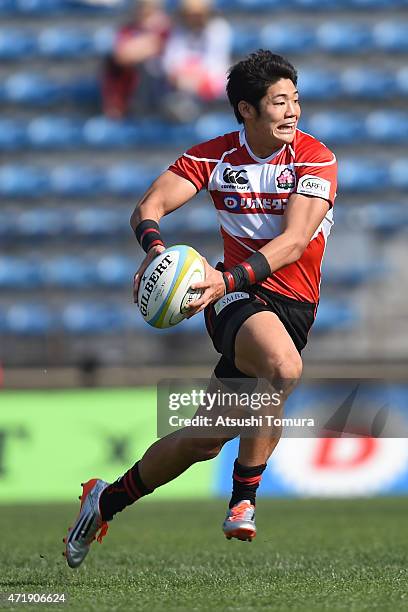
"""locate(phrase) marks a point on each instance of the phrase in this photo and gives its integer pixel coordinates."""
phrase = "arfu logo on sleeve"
(314, 186)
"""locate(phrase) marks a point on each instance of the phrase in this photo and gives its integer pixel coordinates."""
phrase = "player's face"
(279, 112)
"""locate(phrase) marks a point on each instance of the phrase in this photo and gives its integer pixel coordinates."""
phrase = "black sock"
(123, 492)
(245, 482)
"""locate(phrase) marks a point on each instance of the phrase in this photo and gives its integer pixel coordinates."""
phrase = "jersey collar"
(261, 160)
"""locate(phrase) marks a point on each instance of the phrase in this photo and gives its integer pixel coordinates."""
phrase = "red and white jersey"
(250, 195)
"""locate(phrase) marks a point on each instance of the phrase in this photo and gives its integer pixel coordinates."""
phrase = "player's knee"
(287, 370)
(201, 449)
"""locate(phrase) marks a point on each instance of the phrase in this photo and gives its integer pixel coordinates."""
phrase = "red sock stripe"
(230, 281)
(252, 480)
(131, 490)
(128, 490)
(133, 486)
(147, 231)
(251, 273)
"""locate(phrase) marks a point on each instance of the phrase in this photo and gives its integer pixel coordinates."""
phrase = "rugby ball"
(164, 289)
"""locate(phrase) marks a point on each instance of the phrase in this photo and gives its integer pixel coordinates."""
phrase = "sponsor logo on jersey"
(235, 177)
(229, 299)
(286, 179)
(314, 186)
(276, 205)
(231, 202)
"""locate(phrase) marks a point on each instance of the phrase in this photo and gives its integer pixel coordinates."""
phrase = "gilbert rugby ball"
(164, 289)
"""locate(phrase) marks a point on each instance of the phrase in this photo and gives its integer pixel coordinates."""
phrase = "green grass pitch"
(309, 555)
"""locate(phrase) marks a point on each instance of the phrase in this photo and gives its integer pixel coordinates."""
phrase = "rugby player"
(273, 187)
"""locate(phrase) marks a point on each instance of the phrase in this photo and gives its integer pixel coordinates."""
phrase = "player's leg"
(263, 349)
(162, 462)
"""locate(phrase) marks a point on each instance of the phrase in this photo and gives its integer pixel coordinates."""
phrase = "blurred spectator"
(134, 67)
(196, 58)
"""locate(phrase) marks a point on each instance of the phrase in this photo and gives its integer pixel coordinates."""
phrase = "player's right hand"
(150, 255)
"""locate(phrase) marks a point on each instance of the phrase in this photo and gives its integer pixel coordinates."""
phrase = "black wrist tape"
(253, 270)
(148, 234)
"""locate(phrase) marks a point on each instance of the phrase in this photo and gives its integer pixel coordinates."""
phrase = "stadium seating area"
(70, 176)
(55, 132)
(343, 37)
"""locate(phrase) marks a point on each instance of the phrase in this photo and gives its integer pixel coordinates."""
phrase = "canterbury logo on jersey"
(254, 178)
(235, 177)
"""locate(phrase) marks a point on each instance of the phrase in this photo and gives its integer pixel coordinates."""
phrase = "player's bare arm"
(167, 193)
(303, 216)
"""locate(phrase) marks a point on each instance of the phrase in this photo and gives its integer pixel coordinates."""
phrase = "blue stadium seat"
(20, 273)
(130, 179)
(16, 44)
(12, 135)
(70, 271)
(7, 7)
(23, 181)
(40, 223)
(29, 319)
(8, 224)
(368, 83)
(333, 315)
(399, 173)
(39, 90)
(344, 37)
(116, 270)
(250, 5)
(402, 80)
(363, 175)
(382, 217)
(34, 7)
(375, 4)
(287, 37)
(245, 40)
(98, 223)
(317, 84)
(27, 88)
(105, 133)
(161, 133)
(55, 7)
(91, 318)
(213, 124)
(84, 90)
(103, 40)
(65, 43)
(336, 127)
(133, 320)
(352, 276)
(383, 126)
(391, 36)
(51, 132)
(77, 181)
(316, 5)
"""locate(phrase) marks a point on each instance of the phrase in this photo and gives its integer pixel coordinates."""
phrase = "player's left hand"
(213, 286)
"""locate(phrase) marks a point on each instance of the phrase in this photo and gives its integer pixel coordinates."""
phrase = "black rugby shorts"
(224, 318)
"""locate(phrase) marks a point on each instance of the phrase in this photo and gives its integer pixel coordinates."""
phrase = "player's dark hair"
(250, 78)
